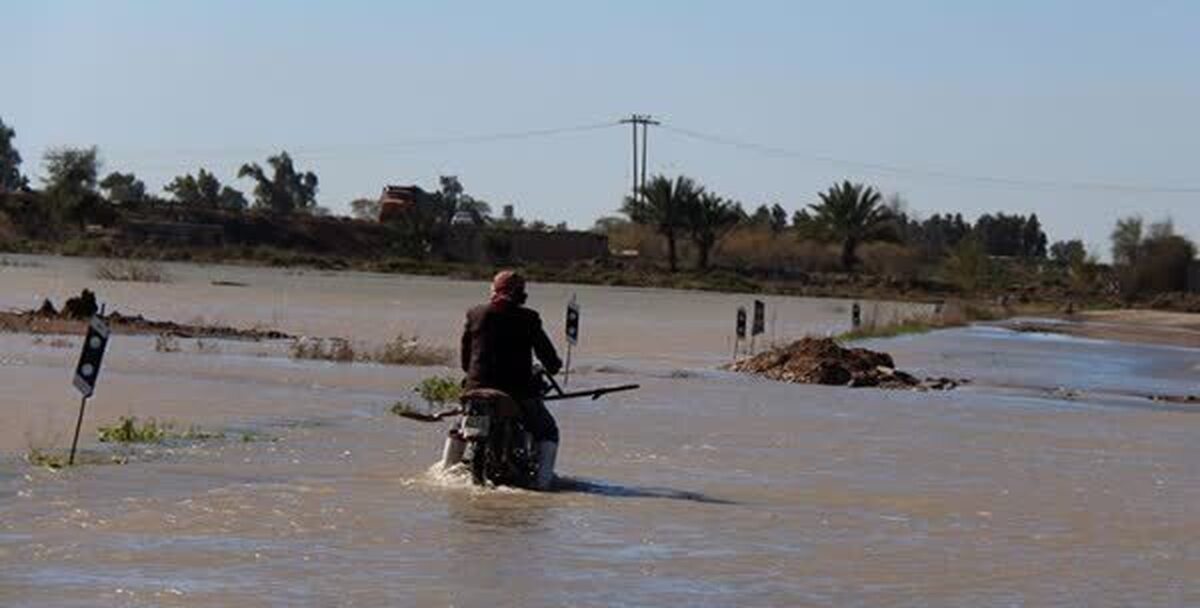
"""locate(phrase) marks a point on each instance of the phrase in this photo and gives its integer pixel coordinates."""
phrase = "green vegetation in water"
(59, 460)
(130, 430)
(440, 390)
(43, 458)
(436, 391)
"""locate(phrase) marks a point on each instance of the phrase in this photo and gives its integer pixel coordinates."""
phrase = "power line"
(778, 152)
(382, 147)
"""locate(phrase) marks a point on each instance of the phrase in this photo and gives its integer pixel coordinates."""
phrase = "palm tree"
(663, 203)
(709, 219)
(852, 214)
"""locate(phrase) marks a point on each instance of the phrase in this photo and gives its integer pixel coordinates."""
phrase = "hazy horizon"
(1080, 112)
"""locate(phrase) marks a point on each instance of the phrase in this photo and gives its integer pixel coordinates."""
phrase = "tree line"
(73, 189)
(1147, 258)
(849, 214)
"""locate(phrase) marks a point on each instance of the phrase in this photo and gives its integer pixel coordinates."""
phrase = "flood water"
(1050, 480)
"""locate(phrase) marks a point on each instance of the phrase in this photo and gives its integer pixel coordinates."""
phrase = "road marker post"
(572, 331)
(87, 371)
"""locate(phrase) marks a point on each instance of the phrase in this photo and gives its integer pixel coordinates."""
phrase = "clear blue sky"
(1067, 92)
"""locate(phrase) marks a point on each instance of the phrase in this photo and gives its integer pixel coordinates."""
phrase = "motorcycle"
(490, 440)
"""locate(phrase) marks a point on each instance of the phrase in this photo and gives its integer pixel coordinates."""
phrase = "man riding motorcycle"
(498, 344)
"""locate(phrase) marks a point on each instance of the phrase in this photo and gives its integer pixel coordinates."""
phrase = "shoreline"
(607, 272)
(1098, 320)
(1129, 326)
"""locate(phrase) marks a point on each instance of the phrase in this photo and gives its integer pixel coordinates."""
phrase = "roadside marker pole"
(567, 371)
(78, 425)
(760, 310)
(88, 370)
(739, 331)
(572, 331)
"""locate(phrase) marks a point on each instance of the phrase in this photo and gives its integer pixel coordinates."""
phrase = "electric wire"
(778, 152)
(376, 148)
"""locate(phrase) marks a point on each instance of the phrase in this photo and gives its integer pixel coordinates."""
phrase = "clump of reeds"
(45, 458)
(130, 270)
(129, 429)
(409, 350)
(323, 349)
(402, 350)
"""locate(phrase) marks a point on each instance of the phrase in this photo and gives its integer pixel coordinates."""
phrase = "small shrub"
(129, 430)
(440, 390)
(166, 343)
(42, 458)
(891, 260)
(131, 271)
(759, 247)
(8, 233)
(969, 266)
(323, 349)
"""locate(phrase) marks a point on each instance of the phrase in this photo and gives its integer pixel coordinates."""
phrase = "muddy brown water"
(1049, 481)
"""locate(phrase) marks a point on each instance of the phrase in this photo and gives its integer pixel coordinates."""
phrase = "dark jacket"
(498, 344)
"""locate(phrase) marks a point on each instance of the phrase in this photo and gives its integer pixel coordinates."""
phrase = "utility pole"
(645, 121)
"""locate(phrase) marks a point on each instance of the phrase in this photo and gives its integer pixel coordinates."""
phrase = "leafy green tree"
(760, 217)
(1166, 259)
(11, 179)
(1157, 261)
(286, 191)
(454, 200)
(851, 214)
(1068, 253)
(779, 218)
(1033, 240)
(663, 203)
(1127, 240)
(969, 266)
(124, 189)
(709, 219)
(204, 191)
(70, 183)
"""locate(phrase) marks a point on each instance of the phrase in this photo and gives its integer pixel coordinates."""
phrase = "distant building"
(395, 201)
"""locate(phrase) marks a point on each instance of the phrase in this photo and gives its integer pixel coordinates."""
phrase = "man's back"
(498, 344)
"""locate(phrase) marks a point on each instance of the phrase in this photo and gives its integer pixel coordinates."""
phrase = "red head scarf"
(508, 288)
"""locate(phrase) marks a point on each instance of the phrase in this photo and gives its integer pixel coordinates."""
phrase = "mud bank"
(824, 361)
(76, 312)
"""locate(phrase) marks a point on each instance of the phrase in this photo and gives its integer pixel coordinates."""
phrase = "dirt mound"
(824, 361)
(82, 306)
